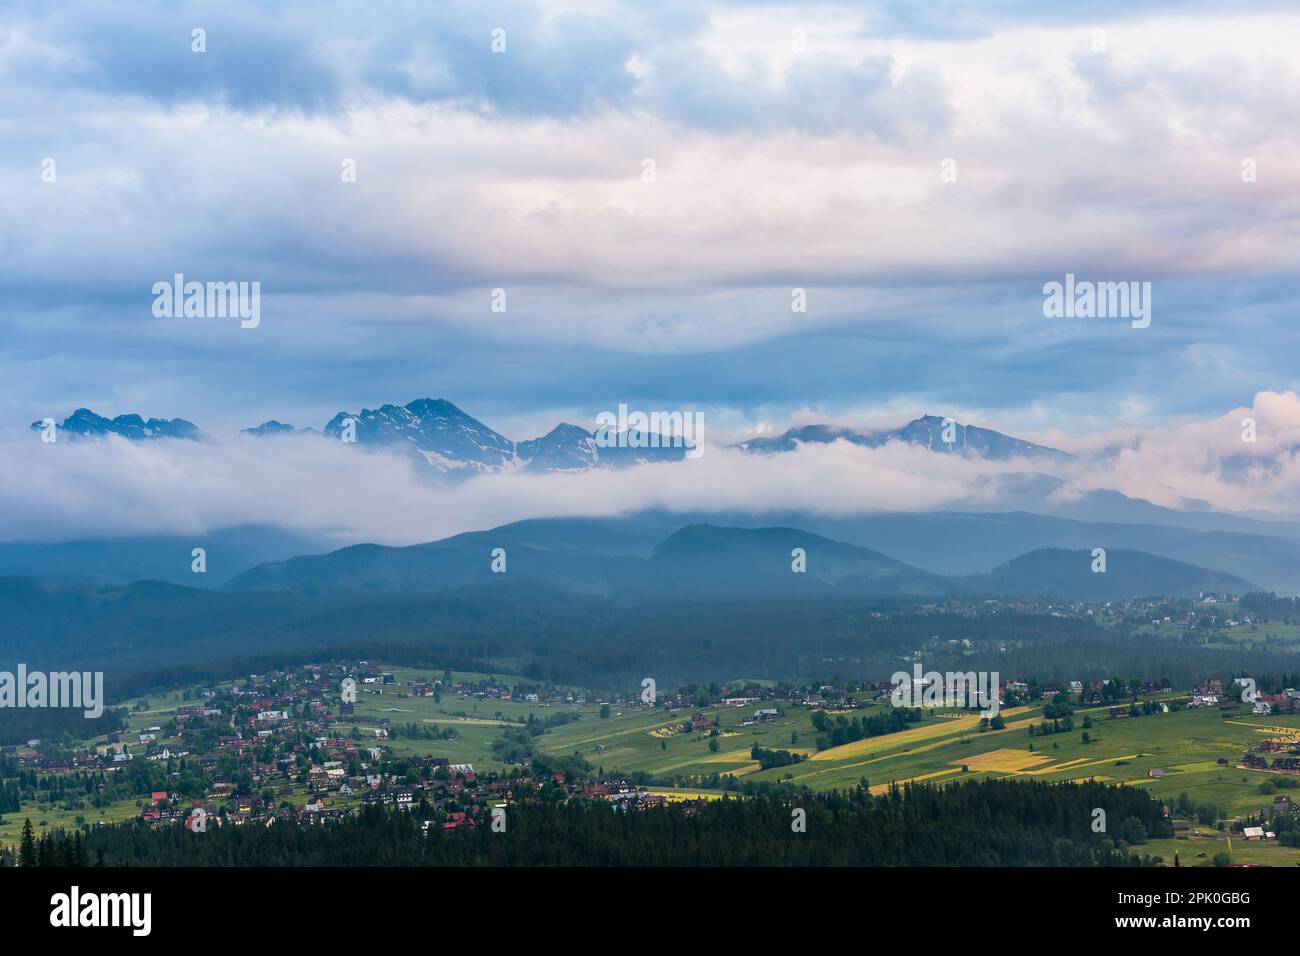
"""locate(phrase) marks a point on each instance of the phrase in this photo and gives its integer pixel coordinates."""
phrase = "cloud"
(114, 487)
(1209, 461)
(775, 169)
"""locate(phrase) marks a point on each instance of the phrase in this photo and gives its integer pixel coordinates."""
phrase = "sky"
(919, 171)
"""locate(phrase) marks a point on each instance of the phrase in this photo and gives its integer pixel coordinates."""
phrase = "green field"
(1222, 637)
(1200, 844)
(1186, 745)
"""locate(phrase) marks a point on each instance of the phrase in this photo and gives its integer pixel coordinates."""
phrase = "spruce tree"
(27, 848)
(45, 855)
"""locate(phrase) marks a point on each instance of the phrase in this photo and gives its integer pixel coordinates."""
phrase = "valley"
(696, 743)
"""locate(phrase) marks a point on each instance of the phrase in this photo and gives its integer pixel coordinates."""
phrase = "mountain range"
(703, 560)
(929, 431)
(1027, 511)
(452, 444)
(450, 441)
(554, 572)
(945, 544)
(433, 431)
(83, 423)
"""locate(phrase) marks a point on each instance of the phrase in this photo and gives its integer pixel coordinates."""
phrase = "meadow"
(1275, 634)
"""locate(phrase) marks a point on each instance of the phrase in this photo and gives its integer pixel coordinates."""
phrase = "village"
(313, 745)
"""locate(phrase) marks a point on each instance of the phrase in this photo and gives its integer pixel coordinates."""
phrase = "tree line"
(983, 823)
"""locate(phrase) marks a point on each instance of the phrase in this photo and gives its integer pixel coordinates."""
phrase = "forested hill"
(142, 641)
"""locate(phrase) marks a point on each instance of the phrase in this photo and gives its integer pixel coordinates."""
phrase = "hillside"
(1069, 575)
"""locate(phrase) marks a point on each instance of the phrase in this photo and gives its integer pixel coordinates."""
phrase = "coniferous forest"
(985, 823)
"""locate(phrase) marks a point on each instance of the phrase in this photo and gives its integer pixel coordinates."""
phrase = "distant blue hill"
(709, 561)
(954, 543)
(120, 561)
